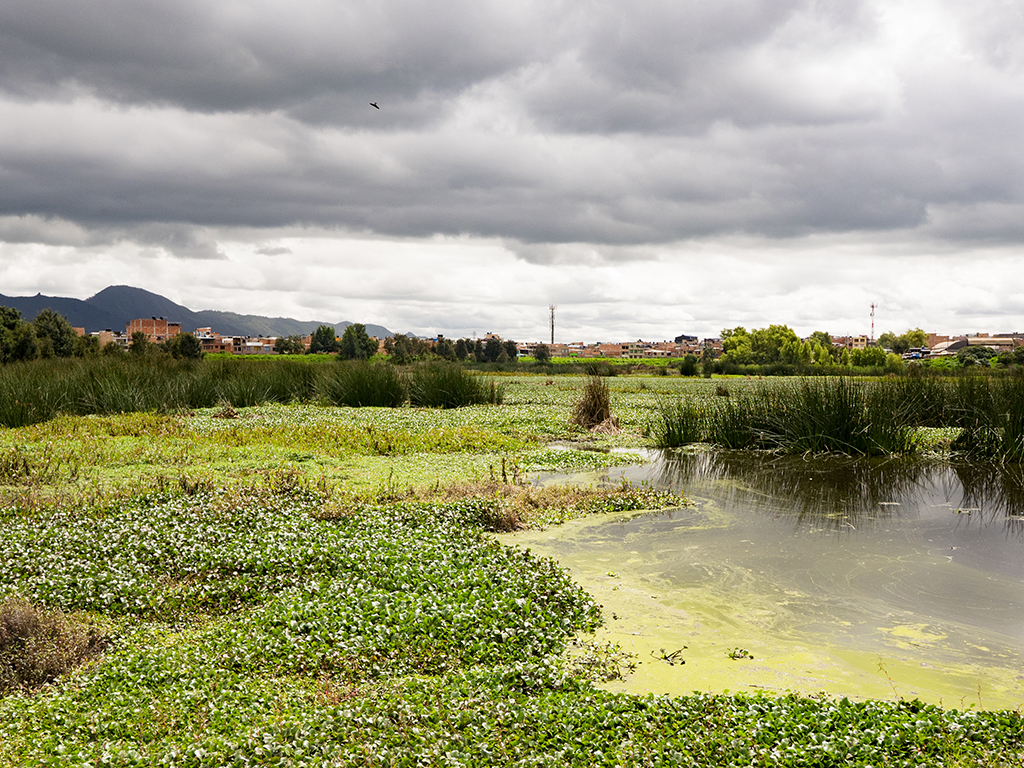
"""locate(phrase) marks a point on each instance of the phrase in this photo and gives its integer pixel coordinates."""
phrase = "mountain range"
(113, 307)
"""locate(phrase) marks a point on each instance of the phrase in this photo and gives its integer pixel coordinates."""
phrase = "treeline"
(777, 350)
(50, 335)
(356, 344)
(403, 349)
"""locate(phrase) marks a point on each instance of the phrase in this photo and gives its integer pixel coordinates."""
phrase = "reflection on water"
(851, 576)
(845, 492)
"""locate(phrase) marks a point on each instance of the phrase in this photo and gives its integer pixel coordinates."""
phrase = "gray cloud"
(572, 131)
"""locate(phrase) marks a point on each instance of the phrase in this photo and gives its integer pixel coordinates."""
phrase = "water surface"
(855, 577)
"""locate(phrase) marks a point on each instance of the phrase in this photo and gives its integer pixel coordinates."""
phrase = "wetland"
(276, 580)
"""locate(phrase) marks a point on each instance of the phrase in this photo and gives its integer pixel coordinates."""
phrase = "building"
(122, 340)
(156, 328)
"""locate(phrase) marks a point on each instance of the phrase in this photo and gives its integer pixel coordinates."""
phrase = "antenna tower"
(873, 305)
(552, 308)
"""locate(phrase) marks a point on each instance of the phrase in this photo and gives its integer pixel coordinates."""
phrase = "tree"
(707, 358)
(289, 345)
(869, 357)
(768, 343)
(511, 349)
(688, 365)
(112, 349)
(761, 346)
(323, 341)
(542, 353)
(493, 349)
(404, 348)
(9, 318)
(17, 338)
(736, 345)
(445, 348)
(900, 344)
(822, 338)
(56, 336)
(186, 346)
(975, 355)
(87, 346)
(140, 343)
(463, 348)
(356, 344)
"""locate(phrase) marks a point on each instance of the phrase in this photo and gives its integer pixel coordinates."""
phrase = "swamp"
(253, 569)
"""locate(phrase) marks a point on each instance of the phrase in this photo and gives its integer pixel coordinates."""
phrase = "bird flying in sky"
(374, 104)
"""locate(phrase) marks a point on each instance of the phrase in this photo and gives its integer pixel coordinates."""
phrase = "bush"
(38, 646)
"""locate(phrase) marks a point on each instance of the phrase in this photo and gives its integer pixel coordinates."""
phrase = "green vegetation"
(356, 344)
(847, 416)
(37, 391)
(299, 584)
(434, 385)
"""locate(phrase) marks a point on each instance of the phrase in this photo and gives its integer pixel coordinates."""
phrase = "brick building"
(157, 328)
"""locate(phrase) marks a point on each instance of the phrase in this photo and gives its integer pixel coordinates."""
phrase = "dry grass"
(37, 646)
(514, 506)
(594, 406)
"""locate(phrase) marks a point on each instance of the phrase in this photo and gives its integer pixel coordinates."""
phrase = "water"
(862, 578)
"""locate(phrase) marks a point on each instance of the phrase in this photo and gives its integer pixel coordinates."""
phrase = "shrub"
(38, 646)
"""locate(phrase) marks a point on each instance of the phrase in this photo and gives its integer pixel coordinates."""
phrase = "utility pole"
(552, 308)
(873, 305)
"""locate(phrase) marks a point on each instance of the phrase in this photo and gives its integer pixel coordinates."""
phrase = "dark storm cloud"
(608, 123)
(317, 58)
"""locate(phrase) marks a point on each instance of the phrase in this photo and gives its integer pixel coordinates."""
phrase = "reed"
(679, 423)
(359, 383)
(819, 415)
(1011, 405)
(439, 385)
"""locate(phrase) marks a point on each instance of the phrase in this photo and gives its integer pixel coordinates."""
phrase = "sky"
(650, 167)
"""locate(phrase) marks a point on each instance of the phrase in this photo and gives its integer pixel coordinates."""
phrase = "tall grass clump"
(972, 406)
(817, 416)
(1011, 405)
(680, 423)
(360, 383)
(437, 385)
(731, 422)
(594, 406)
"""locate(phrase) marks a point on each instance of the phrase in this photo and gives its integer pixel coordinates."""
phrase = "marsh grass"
(681, 422)
(40, 390)
(438, 385)
(848, 416)
(38, 645)
(360, 383)
(812, 415)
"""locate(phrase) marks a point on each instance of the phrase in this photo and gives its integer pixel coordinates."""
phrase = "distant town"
(159, 330)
